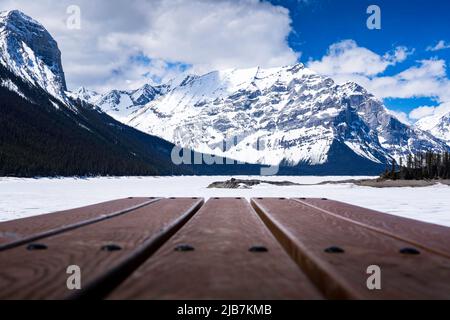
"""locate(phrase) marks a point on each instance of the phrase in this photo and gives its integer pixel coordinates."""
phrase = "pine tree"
(422, 166)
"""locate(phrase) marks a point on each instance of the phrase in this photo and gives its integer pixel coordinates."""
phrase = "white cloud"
(206, 34)
(441, 45)
(427, 79)
(433, 68)
(427, 111)
(400, 54)
(421, 112)
(347, 58)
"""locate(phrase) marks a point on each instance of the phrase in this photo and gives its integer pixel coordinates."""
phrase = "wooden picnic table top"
(224, 248)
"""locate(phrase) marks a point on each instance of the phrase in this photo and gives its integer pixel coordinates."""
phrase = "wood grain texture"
(429, 236)
(17, 232)
(41, 274)
(217, 262)
(306, 233)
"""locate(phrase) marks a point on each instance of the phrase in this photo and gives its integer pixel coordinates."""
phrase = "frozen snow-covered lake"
(27, 197)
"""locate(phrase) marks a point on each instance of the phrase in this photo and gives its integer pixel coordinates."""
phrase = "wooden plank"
(424, 235)
(41, 274)
(211, 258)
(314, 238)
(17, 232)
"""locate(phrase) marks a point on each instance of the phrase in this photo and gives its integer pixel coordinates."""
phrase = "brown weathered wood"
(432, 237)
(220, 266)
(41, 274)
(17, 232)
(306, 233)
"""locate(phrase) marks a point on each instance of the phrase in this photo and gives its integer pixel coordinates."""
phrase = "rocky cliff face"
(28, 50)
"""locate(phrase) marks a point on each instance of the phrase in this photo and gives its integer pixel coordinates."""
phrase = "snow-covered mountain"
(288, 115)
(29, 51)
(44, 131)
(121, 104)
(85, 94)
(438, 125)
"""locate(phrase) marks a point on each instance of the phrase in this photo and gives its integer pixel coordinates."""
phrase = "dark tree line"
(38, 139)
(427, 165)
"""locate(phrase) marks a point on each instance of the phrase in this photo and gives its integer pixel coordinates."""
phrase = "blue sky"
(125, 44)
(411, 23)
(415, 24)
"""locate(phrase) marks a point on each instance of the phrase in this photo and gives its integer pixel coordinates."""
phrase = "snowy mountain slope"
(438, 125)
(396, 138)
(121, 104)
(11, 86)
(28, 50)
(85, 94)
(289, 116)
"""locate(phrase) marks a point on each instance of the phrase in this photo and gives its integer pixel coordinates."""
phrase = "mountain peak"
(81, 90)
(84, 90)
(353, 86)
(28, 50)
(296, 67)
(85, 94)
(15, 15)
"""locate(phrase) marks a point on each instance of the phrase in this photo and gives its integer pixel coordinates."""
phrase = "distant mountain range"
(288, 116)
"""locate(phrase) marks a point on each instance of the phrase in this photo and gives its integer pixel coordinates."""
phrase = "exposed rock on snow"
(247, 184)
